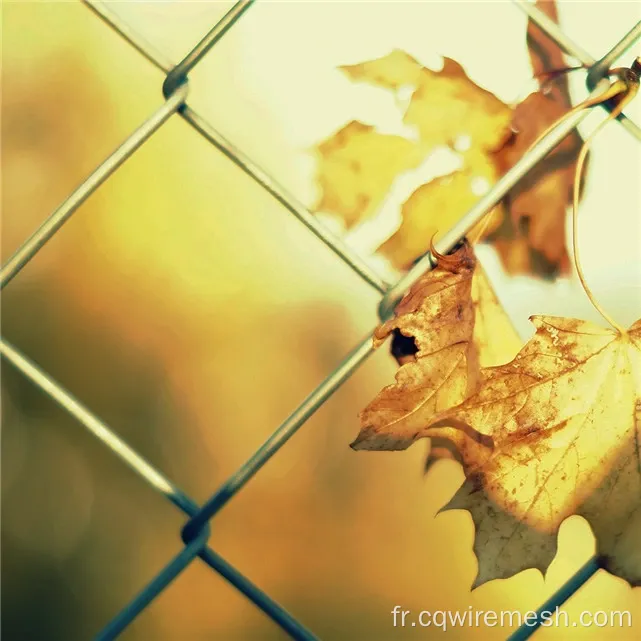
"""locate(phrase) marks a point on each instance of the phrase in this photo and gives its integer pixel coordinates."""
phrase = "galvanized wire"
(60, 216)
(570, 587)
(236, 155)
(164, 486)
(196, 531)
(597, 69)
(307, 408)
(500, 189)
(179, 73)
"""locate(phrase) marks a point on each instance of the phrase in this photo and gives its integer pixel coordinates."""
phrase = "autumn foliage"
(544, 430)
(358, 164)
(554, 432)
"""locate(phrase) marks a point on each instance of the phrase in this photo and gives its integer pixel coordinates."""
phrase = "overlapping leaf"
(532, 238)
(555, 432)
(358, 165)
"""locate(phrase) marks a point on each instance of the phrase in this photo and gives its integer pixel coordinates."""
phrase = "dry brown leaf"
(555, 432)
(514, 251)
(538, 204)
(446, 323)
(545, 53)
(438, 314)
(356, 169)
(496, 342)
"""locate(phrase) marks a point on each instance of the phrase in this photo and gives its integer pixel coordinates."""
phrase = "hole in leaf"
(404, 348)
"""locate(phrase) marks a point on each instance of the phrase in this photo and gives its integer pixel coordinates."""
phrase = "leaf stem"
(626, 86)
(546, 78)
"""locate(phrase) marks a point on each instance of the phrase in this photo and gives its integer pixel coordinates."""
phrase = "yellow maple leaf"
(537, 204)
(358, 164)
(357, 167)
(447, 105)
(439, 204)
(495, 338)
(444, 105)
(393, 71)
(556, 432)
(447, 109)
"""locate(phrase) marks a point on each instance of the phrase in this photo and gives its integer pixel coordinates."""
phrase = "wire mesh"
(195, 533)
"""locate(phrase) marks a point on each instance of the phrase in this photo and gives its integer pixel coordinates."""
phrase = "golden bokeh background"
(192, 313)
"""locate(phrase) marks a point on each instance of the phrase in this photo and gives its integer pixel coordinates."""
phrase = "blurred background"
(192, 313)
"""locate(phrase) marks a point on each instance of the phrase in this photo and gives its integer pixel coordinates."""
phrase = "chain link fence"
(195, 533)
